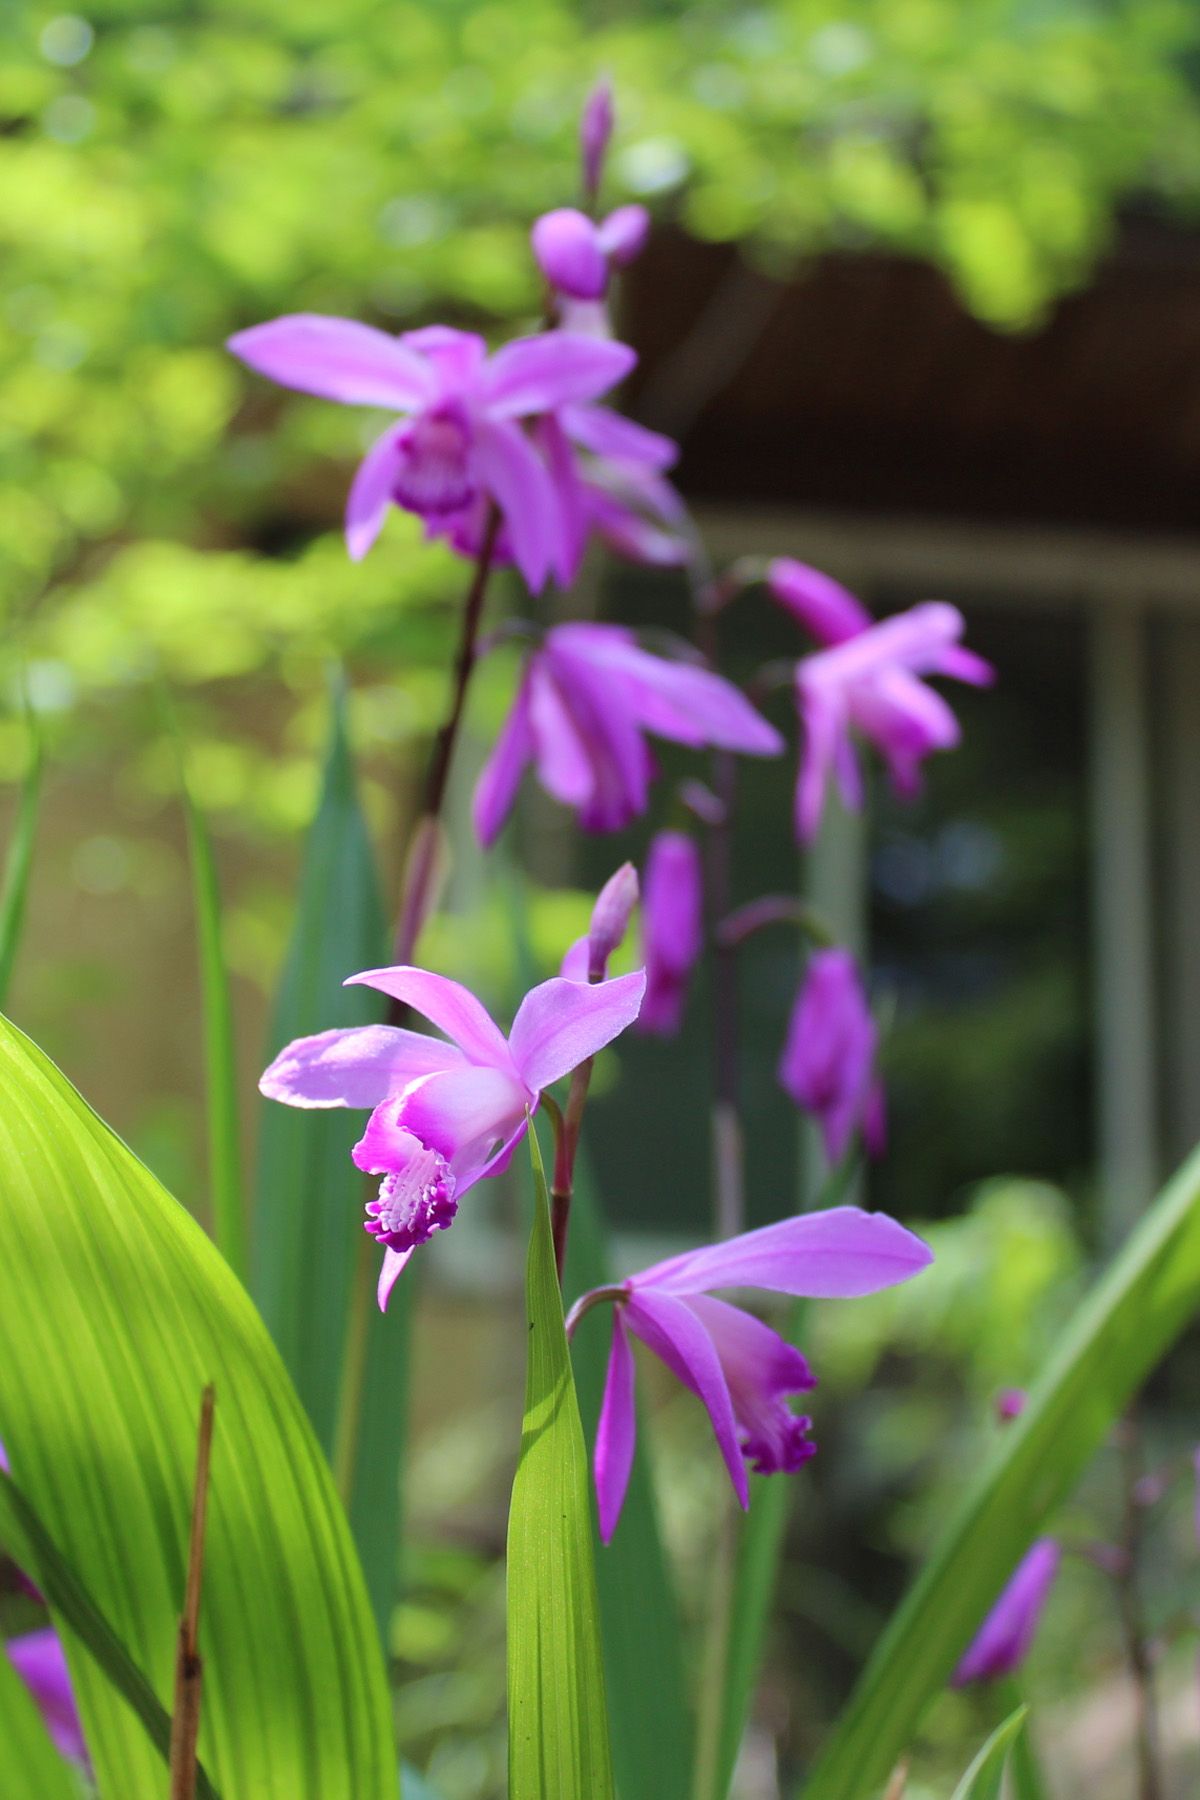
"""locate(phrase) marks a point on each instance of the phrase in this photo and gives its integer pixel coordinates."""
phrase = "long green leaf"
(1118, 1335)
(18, 864)
(982, 1780)
(28, 1543)
(115, 1311)
(30, 1766)
(557, 1718)
(311, 1279)
(639, 1616)
(220, 1059)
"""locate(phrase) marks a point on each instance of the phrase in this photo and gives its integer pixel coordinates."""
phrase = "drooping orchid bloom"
(588, 696)
(1004, 1639)
(826, 609)
(461, 440)
(871, 684)
(742, 1370)
(672, 929)
(41, 1663)
(445, 1114)
(828, 1060)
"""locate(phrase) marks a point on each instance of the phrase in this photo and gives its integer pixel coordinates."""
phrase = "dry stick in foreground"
(185, 1720)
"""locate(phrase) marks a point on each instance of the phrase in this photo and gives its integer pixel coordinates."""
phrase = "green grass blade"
(982, 1780)
(1121, 1331)
(649, 1720)
(18, 864)
(220, 1059)
(557, 1717)
(30, 1766)
(312, 1279)
(29, 1544)
(115, 1311)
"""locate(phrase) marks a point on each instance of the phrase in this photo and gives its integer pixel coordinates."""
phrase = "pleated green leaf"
(18, 863)
(27, 1543)
(115, 1311)
(557, 1719)
(648, 1712)
(30, 1766)
(227, 1199)
(313, 1278)
(1118, 1335)
(982, 1780)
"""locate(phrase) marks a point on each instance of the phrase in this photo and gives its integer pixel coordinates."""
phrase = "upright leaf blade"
(1118, 1335)
(115, 1311)
(30, 1766)
(639, 1616)
(982, 1780)
(18, 863)
(309, 1196)
(557, 1717)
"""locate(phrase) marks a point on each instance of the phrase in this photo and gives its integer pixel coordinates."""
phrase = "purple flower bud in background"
(40, 1661)
(622, 235)
(595, 130)
(740, 1369)
(588, 696)
(1010, 1404)
(828, 1061)
(672, 930)
(1003, 1640)
(567, 247)
(587, 959)
(822, 605)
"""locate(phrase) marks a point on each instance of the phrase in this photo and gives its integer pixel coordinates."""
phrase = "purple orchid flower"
(595, 130)
(828, 1060)
(1003, 1640)
(588, 696)
(41, 1663)
(461, 441)
(445, 1114)
(577, 256)
(826, 609)
(672, 929)
(871, 682)
(741, 1369)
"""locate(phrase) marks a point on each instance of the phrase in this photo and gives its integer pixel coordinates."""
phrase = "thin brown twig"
(185, 1719)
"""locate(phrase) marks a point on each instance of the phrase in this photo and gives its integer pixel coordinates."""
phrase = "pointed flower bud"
(828, 1061)
(827, 610)
(610, 919)
(595, 130)
(567, 247)
(1010, 1404)
(672, 930)
(1003, 1640)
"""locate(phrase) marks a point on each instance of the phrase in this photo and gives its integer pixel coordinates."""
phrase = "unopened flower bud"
(610, 919)
(595, 130)
(1010, 1404)
(567, 247)
(816, 601)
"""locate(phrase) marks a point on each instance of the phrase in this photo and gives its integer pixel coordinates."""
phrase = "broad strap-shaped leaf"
(18, 863)
(26, 1541)
(115, 1311)
(1118, 1335)
(982, 1780)
(30, 1766)
(639, 1616)
(312, 1276)
(557, 1718)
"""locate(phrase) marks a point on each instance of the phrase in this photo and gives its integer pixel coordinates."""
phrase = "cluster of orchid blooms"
(510, 457)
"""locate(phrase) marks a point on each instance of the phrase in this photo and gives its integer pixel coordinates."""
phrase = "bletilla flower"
(588, 697)
(828, 1061)
(1003, 1640)
(871, 684)
(595, 130)
(577, 256)
(826, 609)
(742, 1370)
(40, 1661)
(461, 442)
(672, 929)
(446, 1114)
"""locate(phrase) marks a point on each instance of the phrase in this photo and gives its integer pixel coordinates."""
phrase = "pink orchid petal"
(500, 777)
(824, 727)
(468, 1115)
(446, 1004)
(357, 1066)
(561, 1023)
(609, 434)
(1004, 1639)
(338, 359)
(518, 480)
(40, 1661)
(564, 761)
(371, 494)
(572, 495)
(616, 1431)
(394, 1264)
(836, 1254)
(964, 665)
(537, 374)
(590, 751)
(763, 1371)
(826, 609)
(670, 1328)
(577, 961)
(457, 357)
(622, 235)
